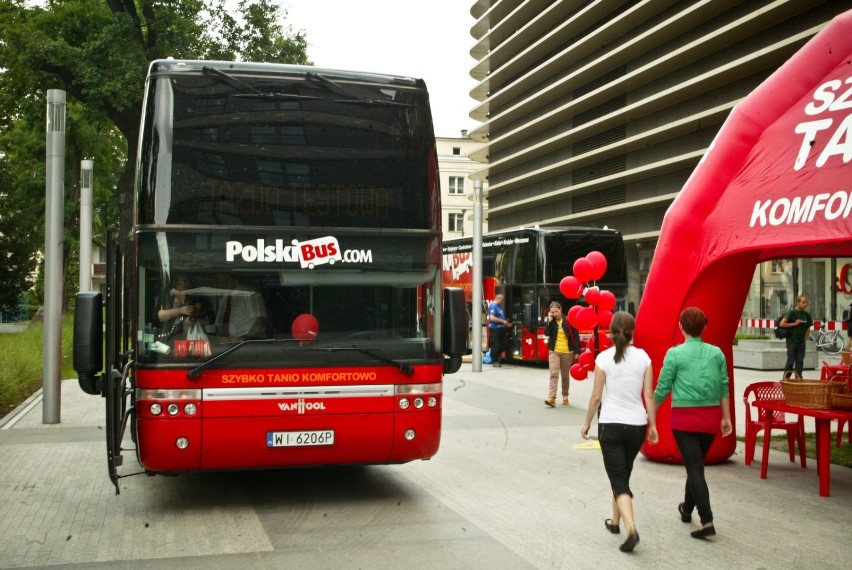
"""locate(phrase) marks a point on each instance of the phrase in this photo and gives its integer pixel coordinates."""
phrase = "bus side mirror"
(455, 328)
(452, 365)
(88, 341)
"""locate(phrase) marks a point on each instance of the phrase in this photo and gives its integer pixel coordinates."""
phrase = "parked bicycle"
(830, 342)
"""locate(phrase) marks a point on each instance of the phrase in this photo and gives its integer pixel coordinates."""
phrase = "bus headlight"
(432, 401)
(409, 434)
(172, 409)
(182, 443)
(418, 403)
(404, 403)
(156, 409)
(190, 409)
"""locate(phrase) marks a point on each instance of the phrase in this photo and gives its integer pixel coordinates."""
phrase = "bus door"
(521, 310)
(120, 361)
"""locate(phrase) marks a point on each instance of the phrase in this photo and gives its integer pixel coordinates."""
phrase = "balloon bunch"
(597, 314)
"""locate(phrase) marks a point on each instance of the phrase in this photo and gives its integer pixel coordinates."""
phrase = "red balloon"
(578, 372)
(604, 319)
(305, 328)
(598, 261)
(571, 287)
(587, 359)
(587, 318)
(572, 315)
(583, 269)
(593, 295)
(607, 301)
(604, 339)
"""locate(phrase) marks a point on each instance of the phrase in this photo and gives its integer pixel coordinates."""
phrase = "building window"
(456, 150)
(456, 185)
(456, 222)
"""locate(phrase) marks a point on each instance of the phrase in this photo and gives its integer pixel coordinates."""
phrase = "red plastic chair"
(768, 391)
(845, 376)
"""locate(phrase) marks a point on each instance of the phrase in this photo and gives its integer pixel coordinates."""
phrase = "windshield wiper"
(353, 98)
(276, 96)
(194, 372)
(256, 93)
(374, 102)
(401, 366)
(333, 85)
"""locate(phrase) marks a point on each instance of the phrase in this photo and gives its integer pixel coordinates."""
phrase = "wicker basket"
(810, 393)
(842, 401)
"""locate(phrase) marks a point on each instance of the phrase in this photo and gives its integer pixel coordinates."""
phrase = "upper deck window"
(305, 155)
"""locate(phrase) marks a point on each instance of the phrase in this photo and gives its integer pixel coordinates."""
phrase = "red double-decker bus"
(526, 266)
(279, 301)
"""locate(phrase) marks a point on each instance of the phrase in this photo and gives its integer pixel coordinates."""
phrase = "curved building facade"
(595, 112)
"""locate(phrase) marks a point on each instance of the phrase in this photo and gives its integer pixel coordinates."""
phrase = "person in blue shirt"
(497, 325)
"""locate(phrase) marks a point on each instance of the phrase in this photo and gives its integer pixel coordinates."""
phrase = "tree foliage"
(98, 51)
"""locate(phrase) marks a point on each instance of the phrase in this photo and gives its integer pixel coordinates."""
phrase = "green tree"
(97, 51)
(21, 212)
(19, 233)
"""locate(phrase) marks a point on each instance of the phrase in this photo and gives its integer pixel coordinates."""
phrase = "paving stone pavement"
(59, 509)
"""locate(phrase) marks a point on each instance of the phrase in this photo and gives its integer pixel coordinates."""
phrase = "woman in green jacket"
(696, 374)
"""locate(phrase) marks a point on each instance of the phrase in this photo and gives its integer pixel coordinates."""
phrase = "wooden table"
(822, 419)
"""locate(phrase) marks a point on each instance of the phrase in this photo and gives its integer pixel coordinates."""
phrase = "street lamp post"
(86, 184)
(53, 238)
(476, 293)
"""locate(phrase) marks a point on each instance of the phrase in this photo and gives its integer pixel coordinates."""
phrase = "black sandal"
(613, 528)
(631, 542)
(704, 531)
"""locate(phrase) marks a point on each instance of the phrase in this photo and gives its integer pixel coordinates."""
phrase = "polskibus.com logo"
(309, 253)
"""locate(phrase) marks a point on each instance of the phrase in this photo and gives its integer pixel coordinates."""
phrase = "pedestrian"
(696, 375)
(800, 322)
(624, 422)
(497, 325)
(563, 341)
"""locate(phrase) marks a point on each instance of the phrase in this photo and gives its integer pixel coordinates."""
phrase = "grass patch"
(839, 455)
(739, 336)
(22, 365)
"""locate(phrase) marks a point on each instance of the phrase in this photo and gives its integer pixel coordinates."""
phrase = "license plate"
(299, 438)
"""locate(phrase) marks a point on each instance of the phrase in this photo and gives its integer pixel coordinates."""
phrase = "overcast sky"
(429, 39)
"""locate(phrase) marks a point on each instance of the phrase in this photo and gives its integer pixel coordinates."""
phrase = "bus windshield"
(262, 149)
(376, 297)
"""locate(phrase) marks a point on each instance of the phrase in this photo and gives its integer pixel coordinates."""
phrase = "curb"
(9, 420)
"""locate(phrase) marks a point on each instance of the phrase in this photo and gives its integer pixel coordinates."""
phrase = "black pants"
(496, 343)
(693, 448)
(795, 356)
(620, 444)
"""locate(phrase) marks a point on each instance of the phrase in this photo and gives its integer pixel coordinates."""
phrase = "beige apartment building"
(595, 112)
(456, 167)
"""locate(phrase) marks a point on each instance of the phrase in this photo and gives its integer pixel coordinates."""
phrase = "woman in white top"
(623, 422)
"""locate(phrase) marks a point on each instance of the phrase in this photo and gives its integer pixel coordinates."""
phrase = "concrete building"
(596, 112)
(456, 166)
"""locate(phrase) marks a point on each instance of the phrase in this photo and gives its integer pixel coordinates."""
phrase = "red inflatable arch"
(776, 182)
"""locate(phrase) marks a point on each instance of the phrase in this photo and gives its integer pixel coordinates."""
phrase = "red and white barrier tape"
(770, 324)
